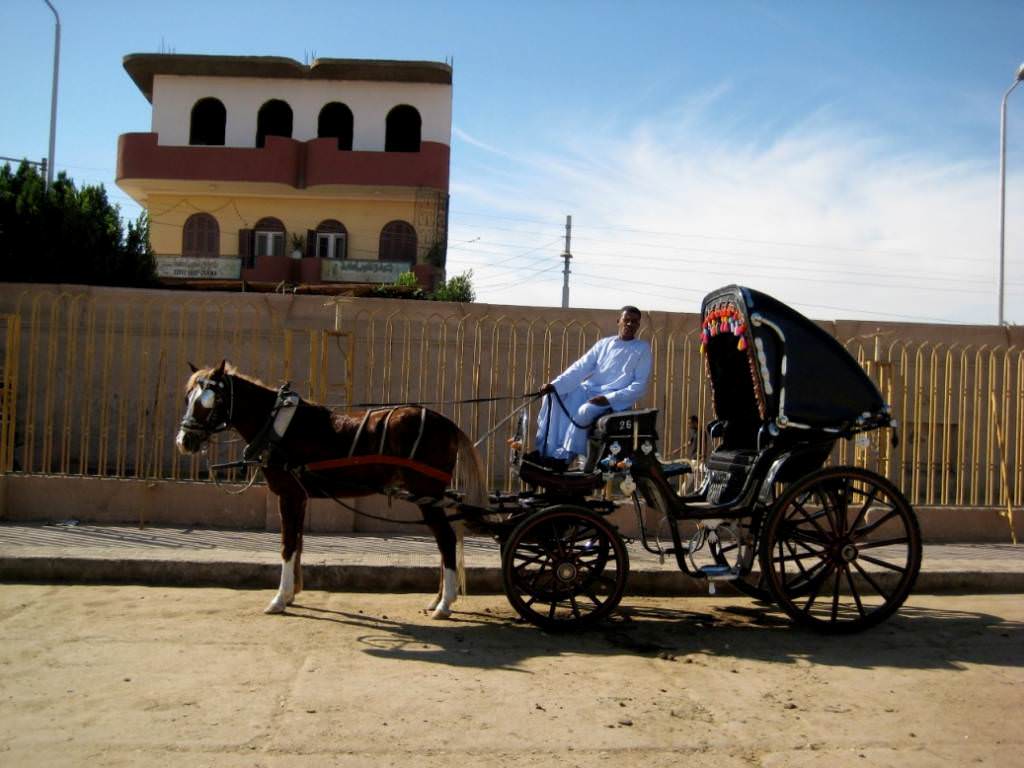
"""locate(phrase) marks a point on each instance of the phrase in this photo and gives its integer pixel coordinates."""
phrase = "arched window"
(201, 236)
(331, 240)
(398, 242)
(336, 122)
(403, 130)
(269, 237)
(207, 123)
(274, 119)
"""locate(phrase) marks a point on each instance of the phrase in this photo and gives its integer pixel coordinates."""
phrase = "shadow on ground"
(916, 638)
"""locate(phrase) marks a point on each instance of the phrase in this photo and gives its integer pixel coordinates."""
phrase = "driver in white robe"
(611, 376)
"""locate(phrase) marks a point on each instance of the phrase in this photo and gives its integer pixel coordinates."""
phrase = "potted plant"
(298, 245)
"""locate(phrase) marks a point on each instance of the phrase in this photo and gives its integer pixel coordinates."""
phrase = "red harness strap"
(398, 461)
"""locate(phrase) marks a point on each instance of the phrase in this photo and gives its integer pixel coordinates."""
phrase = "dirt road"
(138, 676)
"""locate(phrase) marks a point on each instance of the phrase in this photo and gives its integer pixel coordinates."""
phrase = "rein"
(558, 399)
(465, 401)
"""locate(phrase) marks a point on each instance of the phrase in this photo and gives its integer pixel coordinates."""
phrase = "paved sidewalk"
(175, 556)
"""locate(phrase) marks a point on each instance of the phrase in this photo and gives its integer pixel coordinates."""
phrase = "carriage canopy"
(768, 363)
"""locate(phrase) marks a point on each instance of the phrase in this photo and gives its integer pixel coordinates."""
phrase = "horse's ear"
(220, 368)
(192, 367)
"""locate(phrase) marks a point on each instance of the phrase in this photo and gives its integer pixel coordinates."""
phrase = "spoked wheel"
(841, 550)
(564, 568)
(741, 555)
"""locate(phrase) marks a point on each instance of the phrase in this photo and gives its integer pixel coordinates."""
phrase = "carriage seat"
(726, 472)
(552, 474)
(629, 430)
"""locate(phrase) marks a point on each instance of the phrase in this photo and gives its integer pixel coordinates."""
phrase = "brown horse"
(307, 451)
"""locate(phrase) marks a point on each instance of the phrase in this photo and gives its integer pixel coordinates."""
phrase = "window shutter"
(279, 244)
(212, 245)
(188, 239)
(245, 246)
(310, 243)
(342, 246)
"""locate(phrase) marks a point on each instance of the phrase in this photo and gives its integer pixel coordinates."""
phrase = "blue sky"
(842, 156)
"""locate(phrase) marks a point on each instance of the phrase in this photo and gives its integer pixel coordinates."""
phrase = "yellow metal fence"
(92, 382)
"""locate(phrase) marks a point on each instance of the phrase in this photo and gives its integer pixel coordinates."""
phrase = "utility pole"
(53, 94)
(567, 255)
(1002, 191)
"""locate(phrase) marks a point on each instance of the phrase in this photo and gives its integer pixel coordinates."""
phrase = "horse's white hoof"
(277, 605)
(441, 613)
(434, 603)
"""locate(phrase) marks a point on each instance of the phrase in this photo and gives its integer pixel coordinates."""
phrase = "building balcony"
(296, 164)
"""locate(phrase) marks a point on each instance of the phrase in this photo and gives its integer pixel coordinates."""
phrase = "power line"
(804, 268)
(779, 262)
(876, 285)
(701, 294)
(882, 252)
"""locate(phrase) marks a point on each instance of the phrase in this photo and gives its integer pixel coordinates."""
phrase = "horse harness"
(380, 457)
(264, 451)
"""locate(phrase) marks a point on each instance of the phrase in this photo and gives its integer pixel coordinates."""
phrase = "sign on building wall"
(190, 268)
(356, 271)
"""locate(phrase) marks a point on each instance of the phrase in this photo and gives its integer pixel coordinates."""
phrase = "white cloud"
(825, 217)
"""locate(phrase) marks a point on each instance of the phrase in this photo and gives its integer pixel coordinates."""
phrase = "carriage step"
(715, 573)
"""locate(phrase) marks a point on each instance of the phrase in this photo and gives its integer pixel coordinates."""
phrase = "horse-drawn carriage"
(837, 548)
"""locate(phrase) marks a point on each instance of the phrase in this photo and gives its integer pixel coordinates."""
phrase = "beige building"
(267, 170)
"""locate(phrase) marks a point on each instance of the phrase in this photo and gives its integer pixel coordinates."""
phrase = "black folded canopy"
(766, 361)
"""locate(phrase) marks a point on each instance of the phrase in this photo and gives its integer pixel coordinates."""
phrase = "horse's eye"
(207, 399)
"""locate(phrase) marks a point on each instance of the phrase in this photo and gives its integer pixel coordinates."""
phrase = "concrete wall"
(57, 499)
(95, 356)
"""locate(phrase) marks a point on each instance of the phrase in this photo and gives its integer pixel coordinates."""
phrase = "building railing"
(92, 382)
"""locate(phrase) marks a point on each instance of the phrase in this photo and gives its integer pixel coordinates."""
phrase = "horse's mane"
(230, 369)
(205, 373)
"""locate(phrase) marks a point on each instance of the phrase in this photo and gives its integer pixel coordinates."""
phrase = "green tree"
(458, 288)
(68, 235)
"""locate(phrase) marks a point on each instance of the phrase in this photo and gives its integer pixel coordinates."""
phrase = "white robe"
(620, 370)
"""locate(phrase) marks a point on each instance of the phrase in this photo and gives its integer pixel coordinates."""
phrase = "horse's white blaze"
(449, 591)
(286, 591)
(179, 440)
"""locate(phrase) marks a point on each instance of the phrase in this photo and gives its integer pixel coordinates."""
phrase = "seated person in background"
(692, 439)
(611, 376)
(693, 447)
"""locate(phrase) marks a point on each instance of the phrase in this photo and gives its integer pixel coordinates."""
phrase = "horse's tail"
(473, 472)
(474, 476)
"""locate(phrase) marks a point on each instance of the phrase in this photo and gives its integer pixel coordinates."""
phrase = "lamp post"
(1002, 189)
(53, 95)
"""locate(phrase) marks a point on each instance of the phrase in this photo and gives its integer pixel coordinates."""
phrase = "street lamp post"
(1002, 189)
(53, 94)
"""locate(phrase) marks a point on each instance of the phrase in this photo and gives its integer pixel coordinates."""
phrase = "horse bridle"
(211, 396)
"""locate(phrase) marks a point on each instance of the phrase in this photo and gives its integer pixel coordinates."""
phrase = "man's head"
(629, 323)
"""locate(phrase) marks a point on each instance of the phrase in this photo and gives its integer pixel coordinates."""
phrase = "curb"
(247, 574)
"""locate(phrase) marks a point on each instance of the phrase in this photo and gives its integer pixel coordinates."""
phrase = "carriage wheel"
(564, 568)
(841, 550)
(743, 554)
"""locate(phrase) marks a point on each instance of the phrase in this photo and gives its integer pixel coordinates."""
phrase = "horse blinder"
(209, 399)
